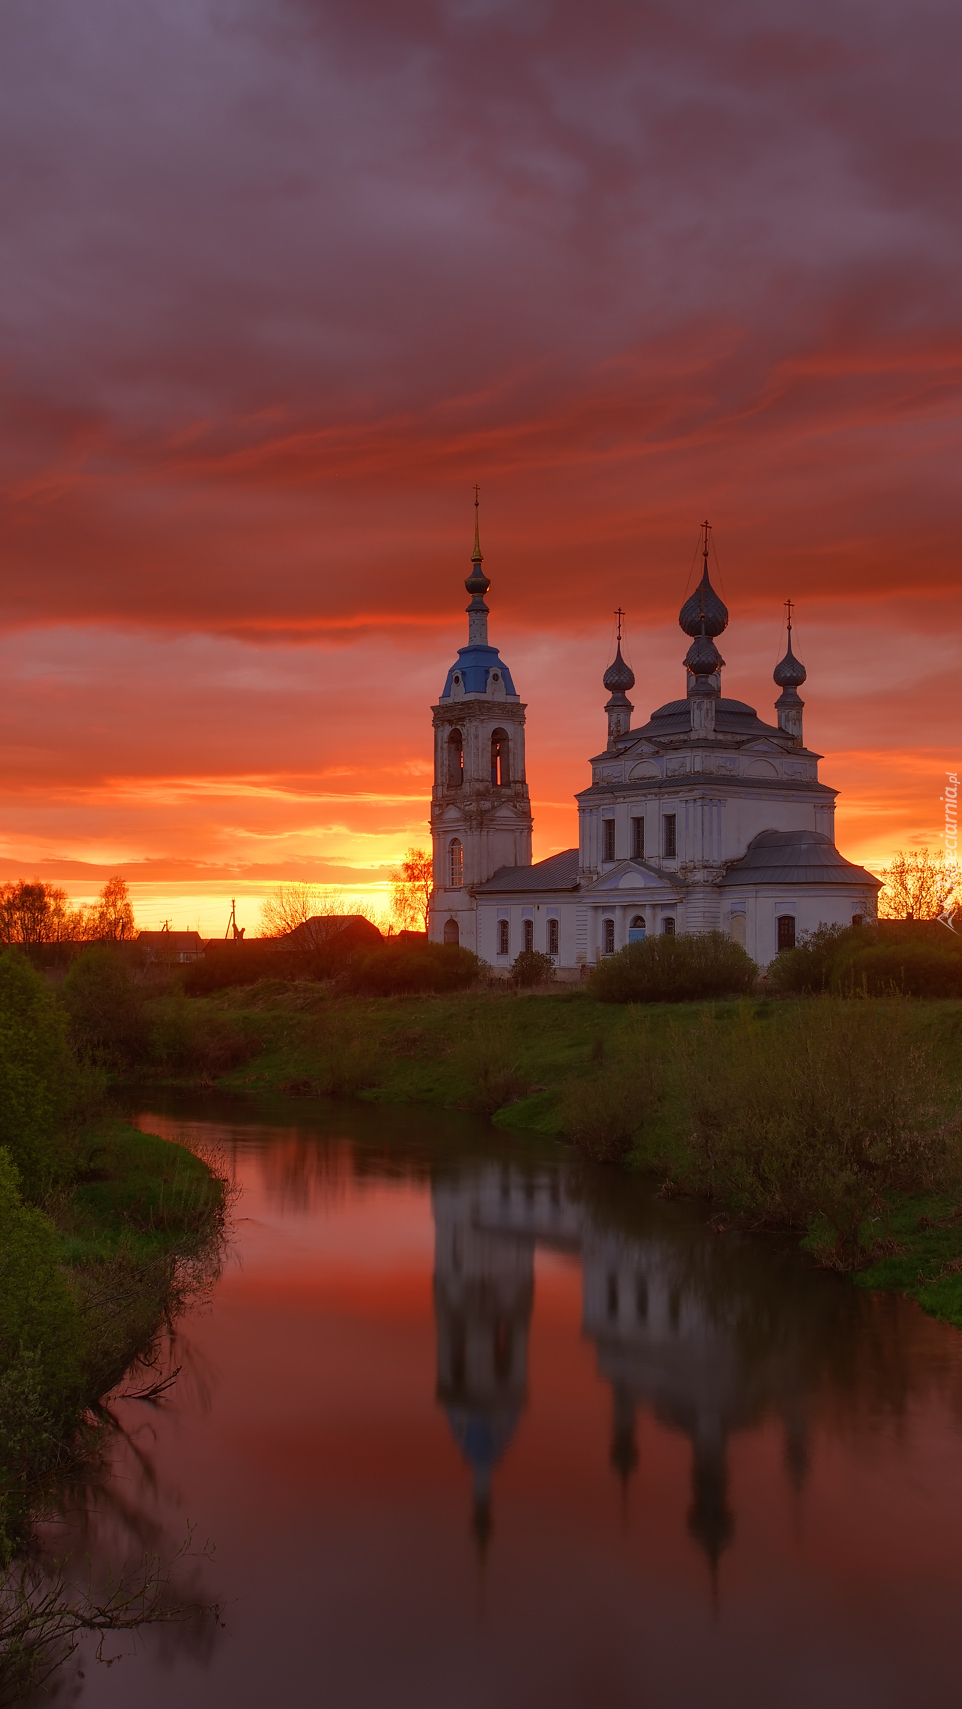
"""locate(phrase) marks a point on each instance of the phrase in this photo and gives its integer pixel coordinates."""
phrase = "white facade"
(704, 819)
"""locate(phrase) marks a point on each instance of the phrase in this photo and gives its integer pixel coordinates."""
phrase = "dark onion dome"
(477, 582)
(703, 657)
(704, 604)
(790, 673)
(618, 677)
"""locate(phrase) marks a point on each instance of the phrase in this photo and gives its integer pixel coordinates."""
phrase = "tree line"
(32, 912)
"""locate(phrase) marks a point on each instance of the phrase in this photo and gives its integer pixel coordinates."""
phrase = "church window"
(500, 767)
(637, 839)
(607, 839)
(503, 937)
(636, 931)
(607, 937)
(612, 1297)
(668, 926)
(456, 859)
(552, 937)
(738, 929)
(527, 932)
(451, 933)
(786, 931)
(455, 760)
(669, 837)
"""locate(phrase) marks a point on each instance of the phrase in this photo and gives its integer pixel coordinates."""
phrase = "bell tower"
(480, 811)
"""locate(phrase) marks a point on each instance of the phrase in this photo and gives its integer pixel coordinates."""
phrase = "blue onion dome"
(704, 607)
(703, 657)
(790, 673)
(619, 677)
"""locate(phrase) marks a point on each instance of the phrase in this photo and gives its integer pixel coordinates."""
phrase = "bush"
(395, 968)
(814, 1121)
(531, 968)
(186, 1035)
(38, 1081)
(674, 969)
(602, 1116)
(230, 964)
(909, 959)
(104, 1000)
(488, 1060)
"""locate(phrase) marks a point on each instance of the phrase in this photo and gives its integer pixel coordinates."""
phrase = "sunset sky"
(283, 279)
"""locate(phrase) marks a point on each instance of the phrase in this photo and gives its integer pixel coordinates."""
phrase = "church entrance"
(451, 933)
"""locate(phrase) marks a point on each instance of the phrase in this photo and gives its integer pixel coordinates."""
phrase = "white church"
(703, 819)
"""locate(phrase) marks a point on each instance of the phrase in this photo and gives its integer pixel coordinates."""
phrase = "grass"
(139, 1192)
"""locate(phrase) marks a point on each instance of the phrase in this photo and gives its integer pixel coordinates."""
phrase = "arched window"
(636, 931)
(500, 764)
(668, 926)
(552, 937)
(527, 933)
(607, 937)
(455, 760)
(451, 933)
(504, 937)
(456, 860)
(786, 931)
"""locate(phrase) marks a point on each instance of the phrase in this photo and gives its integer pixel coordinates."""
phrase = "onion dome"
(477, 583)
(619, 677)
(703, 608)
(702, 660)
(790, 673)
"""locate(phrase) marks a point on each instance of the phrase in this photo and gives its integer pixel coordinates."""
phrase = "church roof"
(733, 717)
(558, 872)
(795, 857)
(474, 665)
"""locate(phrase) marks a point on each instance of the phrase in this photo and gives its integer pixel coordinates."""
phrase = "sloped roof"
(796, 857)
(558, 872)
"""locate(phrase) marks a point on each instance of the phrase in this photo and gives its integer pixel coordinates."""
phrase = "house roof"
(732, 717)
(796, 857)
(172, 943)
(558, 872)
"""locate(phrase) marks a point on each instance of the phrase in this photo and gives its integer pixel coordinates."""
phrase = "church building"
(703, 819)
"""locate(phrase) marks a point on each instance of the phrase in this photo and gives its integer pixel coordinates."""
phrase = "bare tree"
(292, 905)
(917, 886)
(411, 886)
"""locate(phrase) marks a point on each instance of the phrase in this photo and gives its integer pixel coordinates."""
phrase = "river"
(468, 1425)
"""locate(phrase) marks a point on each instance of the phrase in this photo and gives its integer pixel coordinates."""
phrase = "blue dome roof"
(474, 665)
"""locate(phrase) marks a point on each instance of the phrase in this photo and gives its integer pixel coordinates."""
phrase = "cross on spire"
(789, 607)
(621, 617)
(476, 555)
(704, 550)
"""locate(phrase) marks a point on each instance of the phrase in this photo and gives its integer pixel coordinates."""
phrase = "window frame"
(669, 835)
(608, 835)
(638, 837)
(504, 936)
(554, 936)
(456, 864)
(607, 936)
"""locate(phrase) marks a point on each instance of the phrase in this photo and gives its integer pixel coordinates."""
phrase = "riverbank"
(528, 1060)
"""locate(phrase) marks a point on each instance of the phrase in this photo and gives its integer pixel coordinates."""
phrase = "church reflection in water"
(693, 1331)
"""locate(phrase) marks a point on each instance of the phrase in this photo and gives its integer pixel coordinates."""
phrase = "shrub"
(231, 964)
(674, 969)
(189, 1036)
(531, 968)
(395, 968)
(814, 1121)
(104, 1000)
(910, 959)
(488, 1060)
(38, 1082)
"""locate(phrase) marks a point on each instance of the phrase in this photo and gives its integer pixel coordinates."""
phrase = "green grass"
(138, 1191)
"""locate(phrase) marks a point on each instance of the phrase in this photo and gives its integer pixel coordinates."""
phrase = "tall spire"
(703, 616)
(789, 674)
(477, 585)
(617, 678)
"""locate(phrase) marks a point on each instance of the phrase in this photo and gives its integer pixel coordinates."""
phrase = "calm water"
(469, 1426)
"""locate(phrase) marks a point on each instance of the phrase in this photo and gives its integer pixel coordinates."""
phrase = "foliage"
(104, 999)
(815, 1123)
(674, 969)
(602, 1114)
(292, 905)
(36, 913)
(187, 1036)
(236, 963)
(38, 1082)
(405, 965)
(914, 959)
(113, 916)
(530, 967)
(917, 886)
(411, 886)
